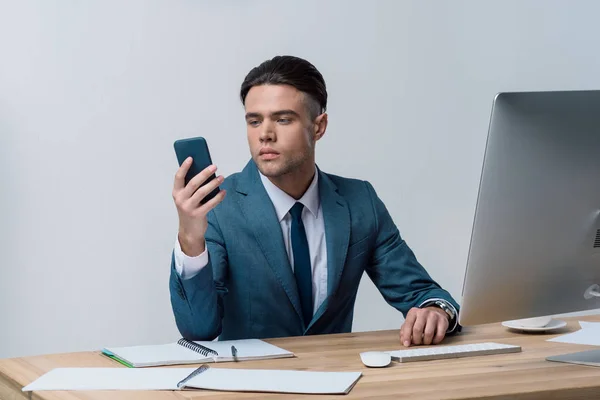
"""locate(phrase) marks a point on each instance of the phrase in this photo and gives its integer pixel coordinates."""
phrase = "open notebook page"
(247, 349)
(109, 379)
(164, 354)
(282, 381)
(174, 353)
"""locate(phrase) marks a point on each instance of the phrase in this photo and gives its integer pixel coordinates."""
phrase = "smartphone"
(197, 148)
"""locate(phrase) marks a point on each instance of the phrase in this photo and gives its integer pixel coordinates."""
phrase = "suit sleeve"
(197, 302)
(395, 270)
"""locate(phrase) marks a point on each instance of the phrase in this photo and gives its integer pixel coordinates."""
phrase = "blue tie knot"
(296, 211)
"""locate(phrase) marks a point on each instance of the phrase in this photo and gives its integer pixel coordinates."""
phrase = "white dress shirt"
(312, 218)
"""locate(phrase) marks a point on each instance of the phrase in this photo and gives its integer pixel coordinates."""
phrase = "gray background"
(93, 94)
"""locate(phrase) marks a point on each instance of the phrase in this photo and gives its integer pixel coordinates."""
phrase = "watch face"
(446, 309)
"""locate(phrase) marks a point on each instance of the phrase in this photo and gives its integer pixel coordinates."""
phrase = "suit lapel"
(336, 217)
(260, 214)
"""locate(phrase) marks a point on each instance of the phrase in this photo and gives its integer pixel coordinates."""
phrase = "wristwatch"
(446, 308)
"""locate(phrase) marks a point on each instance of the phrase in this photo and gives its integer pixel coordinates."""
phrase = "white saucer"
(553, 325)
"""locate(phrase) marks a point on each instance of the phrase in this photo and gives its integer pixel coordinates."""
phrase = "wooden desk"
(525, 375)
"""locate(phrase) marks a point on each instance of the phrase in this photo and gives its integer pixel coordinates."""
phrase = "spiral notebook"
(234, 380)
(187, 352)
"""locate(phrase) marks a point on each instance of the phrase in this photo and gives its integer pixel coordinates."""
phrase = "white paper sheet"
(588, 334)
(593, 325)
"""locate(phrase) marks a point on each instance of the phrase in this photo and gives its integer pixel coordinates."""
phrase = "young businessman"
(282, 248)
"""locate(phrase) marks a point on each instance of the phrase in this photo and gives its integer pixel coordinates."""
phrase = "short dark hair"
(293, 71)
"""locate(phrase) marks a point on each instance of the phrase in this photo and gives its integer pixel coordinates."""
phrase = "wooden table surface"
(524, 375)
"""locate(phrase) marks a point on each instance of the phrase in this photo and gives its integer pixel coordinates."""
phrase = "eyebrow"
(273, 114)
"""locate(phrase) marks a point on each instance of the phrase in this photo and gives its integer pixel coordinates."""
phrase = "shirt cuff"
(187, 267)
(450, 305)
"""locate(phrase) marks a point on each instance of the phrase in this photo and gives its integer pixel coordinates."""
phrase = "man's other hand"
(424, 326)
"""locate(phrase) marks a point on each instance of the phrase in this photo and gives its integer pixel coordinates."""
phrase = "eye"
(253, 123)
(284, 121)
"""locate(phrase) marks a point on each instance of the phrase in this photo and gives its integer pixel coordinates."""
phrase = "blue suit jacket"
(248, 289)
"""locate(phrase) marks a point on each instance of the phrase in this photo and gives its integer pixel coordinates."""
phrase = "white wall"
(93, 94)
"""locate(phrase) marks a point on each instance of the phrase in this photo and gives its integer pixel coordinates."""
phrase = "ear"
(320, 126)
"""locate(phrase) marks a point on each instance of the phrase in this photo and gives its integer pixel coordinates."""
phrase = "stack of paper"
(588, 334)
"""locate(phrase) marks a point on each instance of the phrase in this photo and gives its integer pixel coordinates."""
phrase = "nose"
(267, 133)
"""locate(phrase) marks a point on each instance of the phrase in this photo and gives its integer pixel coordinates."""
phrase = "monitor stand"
(588, 357)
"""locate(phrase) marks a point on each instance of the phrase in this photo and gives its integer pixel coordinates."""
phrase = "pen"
(194, 373)
(234, 353)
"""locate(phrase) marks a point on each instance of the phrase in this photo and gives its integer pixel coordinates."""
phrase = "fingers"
(418, 329)
(203, 191)
(430, 328)
(180, 175)
(407, 327)
(197, 181)
(440, 332)
(212, 203)
(188, 197)
(423, 326)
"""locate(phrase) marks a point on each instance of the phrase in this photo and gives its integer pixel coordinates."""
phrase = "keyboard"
(457, 351)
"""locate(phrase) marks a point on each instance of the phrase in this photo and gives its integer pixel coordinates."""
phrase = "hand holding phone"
(195, 192)
(197, 149)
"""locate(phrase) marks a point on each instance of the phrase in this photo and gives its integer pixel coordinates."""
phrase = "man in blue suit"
(284, 252)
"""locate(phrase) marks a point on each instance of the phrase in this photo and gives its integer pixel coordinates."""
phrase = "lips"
(268, 154)
(267, 150)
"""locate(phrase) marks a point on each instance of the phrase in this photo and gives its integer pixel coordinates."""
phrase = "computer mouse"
(375, 359)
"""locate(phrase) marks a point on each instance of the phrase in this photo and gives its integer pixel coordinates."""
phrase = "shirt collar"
(283, 202)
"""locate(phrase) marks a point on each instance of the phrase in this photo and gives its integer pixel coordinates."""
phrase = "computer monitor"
(535, 244)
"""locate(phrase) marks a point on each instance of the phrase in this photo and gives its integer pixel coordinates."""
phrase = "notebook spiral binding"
(194, 373)
(198, 348)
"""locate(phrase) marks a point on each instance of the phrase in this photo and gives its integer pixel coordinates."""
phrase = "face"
(281, 134)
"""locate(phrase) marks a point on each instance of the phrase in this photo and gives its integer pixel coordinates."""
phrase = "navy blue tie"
(302, 268)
